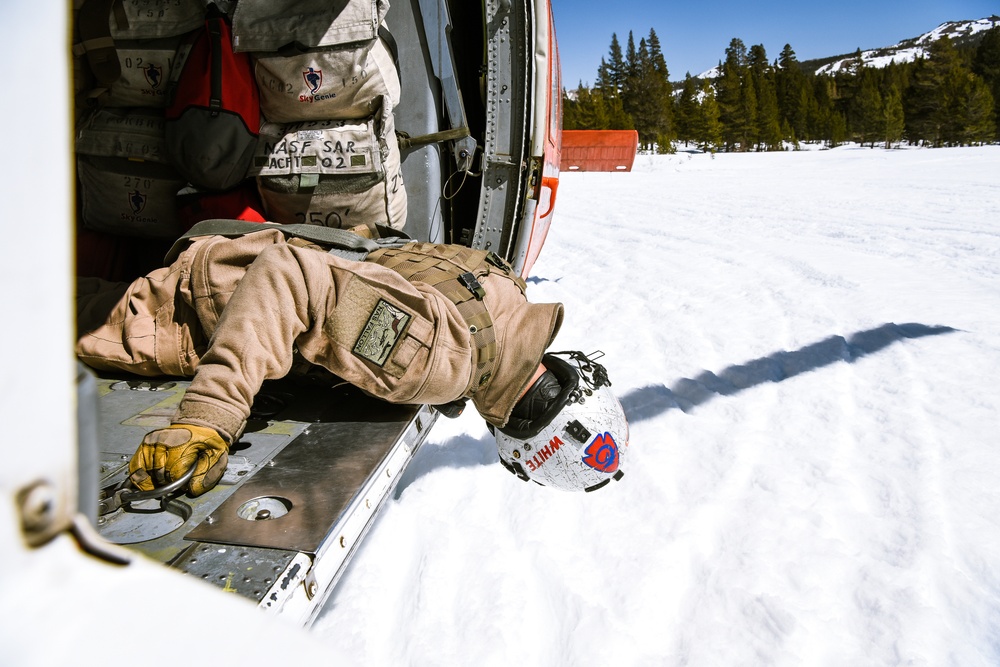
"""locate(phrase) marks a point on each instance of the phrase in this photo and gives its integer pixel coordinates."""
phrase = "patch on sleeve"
(385, 327)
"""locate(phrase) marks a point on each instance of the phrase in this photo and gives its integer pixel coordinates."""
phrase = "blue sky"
(694, 35)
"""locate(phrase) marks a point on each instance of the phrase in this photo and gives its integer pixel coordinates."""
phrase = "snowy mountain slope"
(907, 50)
(808, 346)
(910, 49)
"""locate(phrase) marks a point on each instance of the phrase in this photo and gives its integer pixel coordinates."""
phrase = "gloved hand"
(166, 454)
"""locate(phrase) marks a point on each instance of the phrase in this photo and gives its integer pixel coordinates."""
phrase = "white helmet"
(578, 441)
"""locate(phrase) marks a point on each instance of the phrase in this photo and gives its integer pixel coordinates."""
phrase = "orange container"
(598, 150)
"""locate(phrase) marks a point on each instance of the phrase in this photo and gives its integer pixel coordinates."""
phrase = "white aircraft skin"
(59, 604)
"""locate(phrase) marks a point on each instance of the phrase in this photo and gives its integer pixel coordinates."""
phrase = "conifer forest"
(949, 97)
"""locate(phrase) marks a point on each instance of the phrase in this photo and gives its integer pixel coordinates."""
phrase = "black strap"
(215, 31)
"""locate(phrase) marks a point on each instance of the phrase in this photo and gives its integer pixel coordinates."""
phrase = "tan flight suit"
(232, 312)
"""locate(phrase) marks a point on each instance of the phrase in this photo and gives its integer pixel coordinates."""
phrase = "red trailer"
(598, 150)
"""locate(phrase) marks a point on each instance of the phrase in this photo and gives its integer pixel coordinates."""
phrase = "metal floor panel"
(303, 485)
(292, 502)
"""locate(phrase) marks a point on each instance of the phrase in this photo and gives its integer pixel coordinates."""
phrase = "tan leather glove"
(166, 454)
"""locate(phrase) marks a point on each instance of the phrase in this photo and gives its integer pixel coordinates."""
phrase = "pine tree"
(789, 135)
(789, 84)
(587, 112)
(611, 74)
(950, 104)
(837, 129)
(805, 115)
(986, 64)
(895, 76)
(631, 90)
(570, 110)
(932, 99)
(767, 130)
(852, 66)
(727, 97)
(757, 60)
(605, 100)
(686, 110)
(640, 103)
(617, 118)
(846, 86)
(768, 116)
(604, 81)
(659, 88)
(893, 120)
(787, 59)
(750, 112)
(708, 126)
(976, 112)
(736, 109)
(867, 109)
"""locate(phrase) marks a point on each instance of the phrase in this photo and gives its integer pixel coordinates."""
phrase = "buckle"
(470, 283)
(498, 261)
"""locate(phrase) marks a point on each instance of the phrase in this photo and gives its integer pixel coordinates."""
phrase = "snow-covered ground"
(808, 347)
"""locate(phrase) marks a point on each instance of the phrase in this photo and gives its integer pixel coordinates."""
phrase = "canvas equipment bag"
(153, 19)
(127, 186)
(319, 59)
(146, 67)
(342, 81)
(334, 173)
(124, 50)
(213, 118)
(266, 26)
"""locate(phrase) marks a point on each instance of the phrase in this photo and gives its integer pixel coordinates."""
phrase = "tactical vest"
(454, 271)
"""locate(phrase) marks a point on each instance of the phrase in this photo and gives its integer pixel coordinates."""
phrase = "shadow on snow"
(652, 400)
(466, 451)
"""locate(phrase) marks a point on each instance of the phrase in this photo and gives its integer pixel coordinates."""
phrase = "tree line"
(949, 97)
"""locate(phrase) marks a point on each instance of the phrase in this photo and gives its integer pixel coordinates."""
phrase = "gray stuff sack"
(126, 185)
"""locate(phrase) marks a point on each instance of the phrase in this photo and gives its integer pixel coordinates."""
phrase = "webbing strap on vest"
(328, 236)
(454, 271)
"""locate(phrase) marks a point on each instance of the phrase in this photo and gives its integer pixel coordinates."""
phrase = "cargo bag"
(318, 60)
(213, 118)
(145, 72)
(335, 173)
(126, 185)
(124, 50)
(334, 82)
(264, 26)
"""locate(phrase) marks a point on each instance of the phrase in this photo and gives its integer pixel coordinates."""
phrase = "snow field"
(807, 345)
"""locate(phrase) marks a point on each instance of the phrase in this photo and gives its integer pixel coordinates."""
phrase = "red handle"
(552, 183)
